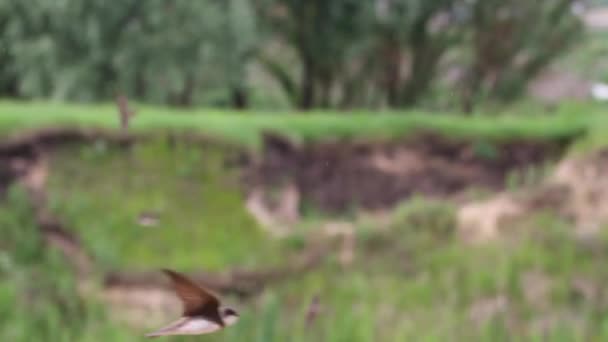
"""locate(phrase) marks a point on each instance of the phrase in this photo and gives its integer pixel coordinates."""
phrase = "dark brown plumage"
(197, 301)
(202, 313)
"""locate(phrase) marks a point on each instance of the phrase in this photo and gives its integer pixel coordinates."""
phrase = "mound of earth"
(577, 191)
(337, 176)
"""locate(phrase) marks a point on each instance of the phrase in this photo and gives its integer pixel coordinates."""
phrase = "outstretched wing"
(187, 326)
(196, 300)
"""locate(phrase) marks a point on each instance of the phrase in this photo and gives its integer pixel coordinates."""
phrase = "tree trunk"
(422, 73)
(307, 95)
(391, 56)
(140, 85)
(426, 55)
(10, 88)
(239, 97)
(326, 83)
(185, 97)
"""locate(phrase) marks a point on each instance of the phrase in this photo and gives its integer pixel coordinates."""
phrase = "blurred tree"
(512, 41)
(8, 75)
(237, 41)
(163, 51)
(346, 53)
(389, 51)
(412, 37)
(360, 51)
(324, 35)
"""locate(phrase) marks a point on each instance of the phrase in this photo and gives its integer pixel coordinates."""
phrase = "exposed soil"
(337, 176)
(576, 191)
(332, 176)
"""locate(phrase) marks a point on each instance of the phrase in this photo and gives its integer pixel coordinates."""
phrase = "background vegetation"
(315, 54)
(413, 280)
(314, 70)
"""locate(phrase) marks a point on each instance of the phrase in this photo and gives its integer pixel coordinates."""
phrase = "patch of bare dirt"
(277, 215)
(577, 191)
(485, 309)
(338, 176)
(141, 307)
(536, 287)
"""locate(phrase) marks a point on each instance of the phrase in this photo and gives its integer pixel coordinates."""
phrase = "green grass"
(414, 281)
(245, 127)
(200, 206)
(376, 299)
(38, 299)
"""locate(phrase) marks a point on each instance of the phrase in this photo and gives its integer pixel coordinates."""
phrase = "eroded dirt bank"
(332, 177)
(337, 176)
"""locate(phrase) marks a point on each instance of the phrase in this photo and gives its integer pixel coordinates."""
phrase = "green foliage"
(322, 54)
(38, 297)
(416, 285)
(419, 214)
(185, 185)
(325, 36)
(512, 41)
(157, 51)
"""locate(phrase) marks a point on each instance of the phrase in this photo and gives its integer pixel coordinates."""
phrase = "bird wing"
(187, 326)
(195, 299)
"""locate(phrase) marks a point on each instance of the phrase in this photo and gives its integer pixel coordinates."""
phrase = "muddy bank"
(576, 192)
(339, 176)
(19, 152)
(332, 177)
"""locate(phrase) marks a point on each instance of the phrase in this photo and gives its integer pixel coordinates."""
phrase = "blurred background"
(338, 170)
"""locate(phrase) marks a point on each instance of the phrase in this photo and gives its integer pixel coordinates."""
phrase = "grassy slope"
(412, 282)
(408, 284)
(200, 205)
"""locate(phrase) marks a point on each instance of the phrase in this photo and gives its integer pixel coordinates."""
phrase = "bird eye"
(230, 312)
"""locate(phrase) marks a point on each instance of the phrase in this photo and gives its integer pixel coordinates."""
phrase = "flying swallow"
(203, 312)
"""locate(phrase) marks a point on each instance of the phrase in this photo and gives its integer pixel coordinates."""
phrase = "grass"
(37, 289)
(375, 300)
(245, 127)
(199, 203)
(412, 281)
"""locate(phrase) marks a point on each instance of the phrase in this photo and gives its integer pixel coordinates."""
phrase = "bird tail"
(168, 330)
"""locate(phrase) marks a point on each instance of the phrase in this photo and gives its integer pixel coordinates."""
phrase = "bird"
(203, 313)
